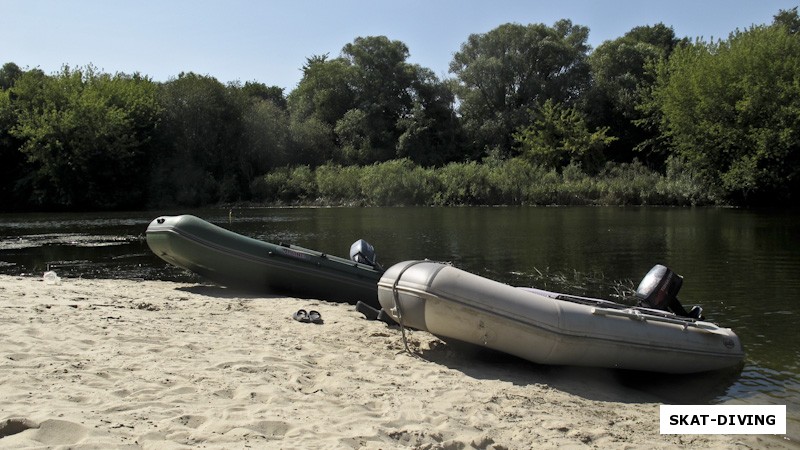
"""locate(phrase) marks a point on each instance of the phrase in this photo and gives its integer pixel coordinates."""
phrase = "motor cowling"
(363, 252)
(659, 288)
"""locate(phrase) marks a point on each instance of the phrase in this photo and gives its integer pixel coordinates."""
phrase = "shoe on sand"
(301, 316)
(314, 317)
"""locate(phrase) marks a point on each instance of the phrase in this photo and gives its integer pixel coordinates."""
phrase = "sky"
(269, 41)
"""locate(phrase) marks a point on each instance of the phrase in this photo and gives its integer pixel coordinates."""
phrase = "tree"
(202, 139)
(512, 69)
(14, 169)
(788, 19)
(325, 92)
(731, 110)
(622, 76)
(319, 101)
(371, 105)
(261, 91)
(86, 136)
(382, 81)
(9, 74)
(353, 131)
(559, 135)
(431, 134)
(266, 141)
(312, 142)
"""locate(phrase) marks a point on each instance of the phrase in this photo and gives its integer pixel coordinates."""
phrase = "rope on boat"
(396, 299)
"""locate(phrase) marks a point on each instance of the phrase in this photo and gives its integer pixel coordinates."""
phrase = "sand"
(148, 364)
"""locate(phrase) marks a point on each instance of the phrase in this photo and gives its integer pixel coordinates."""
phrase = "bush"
(285, 184)
(465, 184)
(682, 186)
(396, 182)
(511, 179)
(337, 184)
(514, 181)
(543, 189)
(628, 184)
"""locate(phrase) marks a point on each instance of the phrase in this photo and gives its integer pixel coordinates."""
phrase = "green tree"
(622, 76)
(512, 69)
(431, 132)
(371, 105)
(199, 161)
(353, 131)
(266, 140)
(261, 91)
(731, 110)
(319, 101)
(325, 92)
(559, 135)
(86, 135)
(382, 80)
(14, 169)
(312, 142)
(9, 74)
(789, 19)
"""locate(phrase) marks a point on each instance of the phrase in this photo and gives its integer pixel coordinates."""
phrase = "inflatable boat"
(234, 260)
(551, 328)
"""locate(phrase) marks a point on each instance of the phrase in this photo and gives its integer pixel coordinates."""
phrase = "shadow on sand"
(592, 383)
(222, 292)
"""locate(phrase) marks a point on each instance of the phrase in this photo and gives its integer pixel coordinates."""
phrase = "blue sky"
(269, 41)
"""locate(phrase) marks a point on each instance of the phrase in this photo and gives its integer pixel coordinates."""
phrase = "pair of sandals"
(307, 317)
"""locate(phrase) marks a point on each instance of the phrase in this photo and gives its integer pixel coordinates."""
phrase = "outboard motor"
(659, 290)
(659, 287)
(362, 252)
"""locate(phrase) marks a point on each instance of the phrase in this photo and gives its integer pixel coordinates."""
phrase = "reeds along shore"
(147, 364)
(511, 182)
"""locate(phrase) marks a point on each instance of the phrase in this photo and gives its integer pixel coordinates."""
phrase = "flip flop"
(301, 316)
(314, 317)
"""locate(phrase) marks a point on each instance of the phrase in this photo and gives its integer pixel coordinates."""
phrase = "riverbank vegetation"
(531, 115)
(508, 182)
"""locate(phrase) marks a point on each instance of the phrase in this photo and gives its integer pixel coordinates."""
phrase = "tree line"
(531, 115)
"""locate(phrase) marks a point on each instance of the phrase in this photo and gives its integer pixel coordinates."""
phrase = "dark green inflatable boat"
(233, 260)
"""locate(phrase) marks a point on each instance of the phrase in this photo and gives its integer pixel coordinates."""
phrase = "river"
(742, 266)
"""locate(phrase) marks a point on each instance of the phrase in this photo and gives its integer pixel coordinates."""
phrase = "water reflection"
(67, 239)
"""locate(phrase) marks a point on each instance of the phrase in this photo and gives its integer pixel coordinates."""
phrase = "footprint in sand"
(49, 432)
(270, 429)
(191, 421)
(10, 427)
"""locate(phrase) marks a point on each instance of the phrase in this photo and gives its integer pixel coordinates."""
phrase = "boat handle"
(638, 316)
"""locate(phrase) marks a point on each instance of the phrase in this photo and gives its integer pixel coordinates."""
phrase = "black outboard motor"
(362, 252)
(659, 290)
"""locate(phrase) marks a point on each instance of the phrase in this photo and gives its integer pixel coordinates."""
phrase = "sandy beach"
(147, 364)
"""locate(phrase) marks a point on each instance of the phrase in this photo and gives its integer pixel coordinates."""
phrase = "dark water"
(742, 266)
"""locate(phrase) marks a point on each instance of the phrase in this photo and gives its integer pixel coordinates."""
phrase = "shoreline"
(150, 364)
